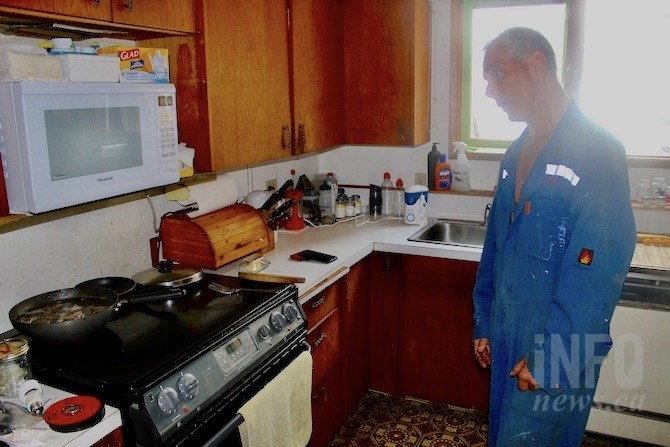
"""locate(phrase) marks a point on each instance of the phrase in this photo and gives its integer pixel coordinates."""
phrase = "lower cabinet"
(422, 330)
(324, 335)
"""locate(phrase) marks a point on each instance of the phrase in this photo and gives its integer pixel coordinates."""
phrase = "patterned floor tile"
(382, 420)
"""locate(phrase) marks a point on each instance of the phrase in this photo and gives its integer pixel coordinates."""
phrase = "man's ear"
(537, 62)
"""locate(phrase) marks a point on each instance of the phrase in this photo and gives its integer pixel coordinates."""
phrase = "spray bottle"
(460, 169)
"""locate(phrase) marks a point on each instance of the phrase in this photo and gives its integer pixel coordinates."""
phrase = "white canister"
(416, 205)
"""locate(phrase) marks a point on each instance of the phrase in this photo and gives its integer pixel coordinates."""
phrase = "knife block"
(215, 239)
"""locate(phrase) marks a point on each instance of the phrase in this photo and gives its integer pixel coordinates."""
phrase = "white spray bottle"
(460, 169)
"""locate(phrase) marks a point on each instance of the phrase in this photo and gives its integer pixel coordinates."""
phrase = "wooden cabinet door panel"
(327, 415)
(386, 47)
(356, 356)
(90, 9)
(247, 81)
(435, 359)
(326, 346)
(177, 15)
(318, 74)
(321, 305)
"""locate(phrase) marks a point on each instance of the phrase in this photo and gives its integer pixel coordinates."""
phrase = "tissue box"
(89, 68)
(15, 66)
(139, 64)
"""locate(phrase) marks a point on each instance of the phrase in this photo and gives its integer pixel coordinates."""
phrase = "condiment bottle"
(388, 195)
(399, 198)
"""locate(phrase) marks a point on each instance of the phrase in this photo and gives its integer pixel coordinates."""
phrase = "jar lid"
(13, 348)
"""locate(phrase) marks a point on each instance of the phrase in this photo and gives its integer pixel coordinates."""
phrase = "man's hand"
(524, 377)
(482, 352)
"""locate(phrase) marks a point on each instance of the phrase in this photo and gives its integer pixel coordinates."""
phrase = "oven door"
(217, 425)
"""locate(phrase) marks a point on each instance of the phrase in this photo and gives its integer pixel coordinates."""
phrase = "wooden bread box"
(215, 239)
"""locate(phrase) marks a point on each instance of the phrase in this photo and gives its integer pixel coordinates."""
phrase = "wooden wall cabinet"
(422, 330)
(387, 71)
(169, 15)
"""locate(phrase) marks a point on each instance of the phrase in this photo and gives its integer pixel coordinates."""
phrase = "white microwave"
(64, 144)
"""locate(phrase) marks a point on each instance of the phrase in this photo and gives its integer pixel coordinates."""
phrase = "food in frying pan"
(63, 310)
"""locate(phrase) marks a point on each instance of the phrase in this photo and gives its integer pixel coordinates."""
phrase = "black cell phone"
(311, 255)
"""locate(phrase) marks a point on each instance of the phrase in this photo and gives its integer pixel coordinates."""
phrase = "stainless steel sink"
(451, 232)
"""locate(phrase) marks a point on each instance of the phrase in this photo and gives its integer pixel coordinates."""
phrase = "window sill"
(634, 161)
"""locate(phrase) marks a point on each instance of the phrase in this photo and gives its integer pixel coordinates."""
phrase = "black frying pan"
(70, 315)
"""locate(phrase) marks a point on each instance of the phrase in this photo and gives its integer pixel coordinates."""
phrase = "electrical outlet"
(420, 178)
(271, 184)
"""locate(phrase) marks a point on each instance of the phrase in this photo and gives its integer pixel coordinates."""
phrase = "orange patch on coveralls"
(585, 256)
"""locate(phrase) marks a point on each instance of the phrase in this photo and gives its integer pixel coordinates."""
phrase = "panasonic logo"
(104, 179)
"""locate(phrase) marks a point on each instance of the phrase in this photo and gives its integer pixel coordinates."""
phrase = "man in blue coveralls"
(559, 243)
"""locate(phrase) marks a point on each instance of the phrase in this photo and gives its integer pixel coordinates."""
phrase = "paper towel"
(211, 196)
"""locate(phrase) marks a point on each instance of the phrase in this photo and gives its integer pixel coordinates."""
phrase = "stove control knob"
(264, 332)
(278, 321)
(168, 400)
(188, 386)
(290, 312)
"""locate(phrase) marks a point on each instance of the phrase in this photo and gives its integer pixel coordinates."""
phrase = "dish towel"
(280, 415)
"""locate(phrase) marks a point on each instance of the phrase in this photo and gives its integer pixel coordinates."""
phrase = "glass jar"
(14, 366)
(349, 208)
(357, 205)
(644, 192)
(341, 207)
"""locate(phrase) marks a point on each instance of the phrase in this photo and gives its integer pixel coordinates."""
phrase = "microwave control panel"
(167, 132)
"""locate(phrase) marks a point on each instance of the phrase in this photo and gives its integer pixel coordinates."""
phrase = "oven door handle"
(226, 430)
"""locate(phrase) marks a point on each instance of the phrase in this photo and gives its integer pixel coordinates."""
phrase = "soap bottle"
(460, 169)
(442, 174)
(433, 159)
(388, 196)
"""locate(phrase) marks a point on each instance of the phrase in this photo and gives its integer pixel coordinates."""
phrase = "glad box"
(139, 64)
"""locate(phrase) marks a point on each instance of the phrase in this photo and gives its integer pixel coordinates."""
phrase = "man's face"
(509, 83)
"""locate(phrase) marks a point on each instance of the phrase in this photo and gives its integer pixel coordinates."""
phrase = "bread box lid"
(215, 239)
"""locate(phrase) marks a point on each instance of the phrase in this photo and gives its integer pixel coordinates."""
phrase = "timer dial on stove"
(290, 312)
(278, 321)
(168, 400)
(188, 386)
(264, 332)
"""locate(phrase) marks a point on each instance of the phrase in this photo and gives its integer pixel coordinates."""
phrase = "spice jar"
(14, 366)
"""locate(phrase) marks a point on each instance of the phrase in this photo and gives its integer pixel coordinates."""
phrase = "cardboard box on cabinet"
(140, 64)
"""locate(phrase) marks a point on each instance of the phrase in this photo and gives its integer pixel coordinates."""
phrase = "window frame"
(461, 11)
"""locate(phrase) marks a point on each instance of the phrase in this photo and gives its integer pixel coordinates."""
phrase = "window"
(617, 53)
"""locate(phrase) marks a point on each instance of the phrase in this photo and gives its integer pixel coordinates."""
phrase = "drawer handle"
(318, 302)
(323, 391)
(320, 339)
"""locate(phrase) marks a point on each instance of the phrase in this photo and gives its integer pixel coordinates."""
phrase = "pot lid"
(13, 348)
(166, 275)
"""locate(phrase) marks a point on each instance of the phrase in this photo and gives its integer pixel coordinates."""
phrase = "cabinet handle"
(286, 137)
(129, 4)
(97, 2)
(320, 339)
(318, 302)
(301, 137)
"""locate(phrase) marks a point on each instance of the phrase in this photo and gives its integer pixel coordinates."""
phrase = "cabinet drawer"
(320, 306)
(325, 343)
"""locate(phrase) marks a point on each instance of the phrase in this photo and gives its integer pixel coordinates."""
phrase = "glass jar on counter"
(357, 204)
(14, 366)
(341, 207)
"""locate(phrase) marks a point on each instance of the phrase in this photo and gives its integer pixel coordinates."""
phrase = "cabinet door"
(177, 15)
(326, 404)
(89, 9)
(386, 47)
(246, 53)
(435, 359)
(318, 74)
(356, 334)
(384, 298)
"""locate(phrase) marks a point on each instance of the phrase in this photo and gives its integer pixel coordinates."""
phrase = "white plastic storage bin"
(89, 68)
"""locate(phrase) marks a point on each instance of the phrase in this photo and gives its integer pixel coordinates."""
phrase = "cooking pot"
(70, 315)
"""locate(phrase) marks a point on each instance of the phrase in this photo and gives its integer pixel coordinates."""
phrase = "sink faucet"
(487, 211)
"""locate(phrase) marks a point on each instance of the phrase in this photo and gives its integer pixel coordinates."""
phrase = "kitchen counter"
(41, 434)
(350, 241)
(354, 239)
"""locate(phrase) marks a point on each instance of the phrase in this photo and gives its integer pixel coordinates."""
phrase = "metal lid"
(166, 275)
(13, 348)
